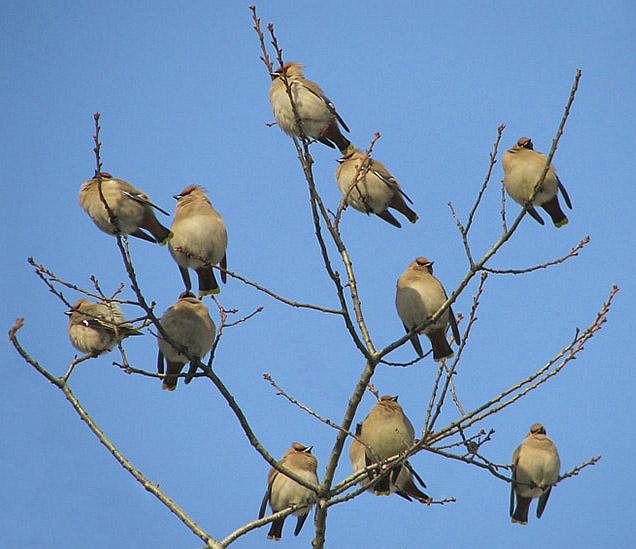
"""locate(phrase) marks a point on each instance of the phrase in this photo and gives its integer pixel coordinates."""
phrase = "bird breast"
(370, 195)
(189, 329)
(418, 300)
(199, 235)
(286, 491)
(312, 110)
(522, 172)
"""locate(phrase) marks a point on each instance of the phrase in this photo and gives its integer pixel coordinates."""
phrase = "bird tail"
(276, 530)
(441, 348)
(553, 208)
(332, 134)
(156, 229)
(171, 379)
(520, 516)
(207, 282)
(398, 203)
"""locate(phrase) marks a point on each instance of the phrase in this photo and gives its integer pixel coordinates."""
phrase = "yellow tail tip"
(166, 387)
(203, 293)
(515, 521)
(562, 223)
(444, 358)
(348, 150)
(378, 493)
(167, 239)
(275, 538)
(415, 219)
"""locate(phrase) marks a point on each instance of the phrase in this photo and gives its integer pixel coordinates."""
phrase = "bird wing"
(390, 181)
(515, 460)
(453, 323)
(330, 106)
(143, 200)
(566, 197)
(415, 341)
(543, 500)
(268, 492)
(534, 214)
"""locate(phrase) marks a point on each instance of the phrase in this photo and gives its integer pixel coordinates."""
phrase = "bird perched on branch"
(386, 432)
(282, 491)
(188, 324)
(419, 296)
(535, 468)
(97, 327)
(200, 236)
(317, 114)
(130, 209)
(523, 167)
(374, 190)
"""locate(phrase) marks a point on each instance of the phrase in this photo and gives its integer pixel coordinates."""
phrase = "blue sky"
(183, 97)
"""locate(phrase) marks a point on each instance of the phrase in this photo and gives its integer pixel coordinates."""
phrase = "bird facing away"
(317, 114)
(386, 432)
(282, 491)
(131, 209)
(523, 167)
(374, 191)
(419, 296)
(199, 232)
(187, 322)
(535, 468)
(97, 327)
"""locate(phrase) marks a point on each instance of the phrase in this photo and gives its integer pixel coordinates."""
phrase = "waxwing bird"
(188, 324)
(419, 296)
(374, 191)
(199, 233)
(386, 432)
(317, 114)
(131, 209)
(535, 468)
(282, 491)
(523, 167)
(97, 327)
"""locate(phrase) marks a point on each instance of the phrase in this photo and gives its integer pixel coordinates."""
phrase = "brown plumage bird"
(523, 167)
(386, 432)
(282, 491)
(317, 114)
(375, 190)
(199, 232)
(131, 209)
(188, 324)
(535, 468)
(419, 296)
(97, 327)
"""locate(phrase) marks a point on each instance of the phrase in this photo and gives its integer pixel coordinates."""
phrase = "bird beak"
(308, 449)
(176, 196)
(68, 313)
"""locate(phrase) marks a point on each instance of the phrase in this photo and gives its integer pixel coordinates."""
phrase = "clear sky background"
(184, 100)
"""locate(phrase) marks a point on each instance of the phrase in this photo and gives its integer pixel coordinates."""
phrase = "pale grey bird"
(131, 209)
(282, 491)
(374, 191)
(199, 233)
(535, 468)
(188, 324)
(386, 432)
(317, 113)
(419, 296)
(97, 327)
(523, 167)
